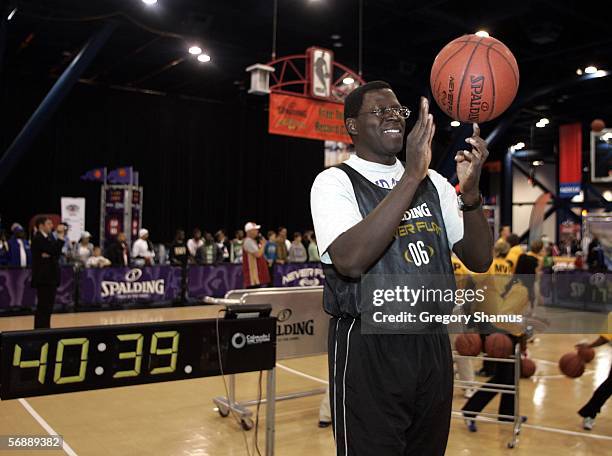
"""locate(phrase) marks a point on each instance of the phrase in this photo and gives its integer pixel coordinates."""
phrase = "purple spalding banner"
(298, 275)
(117, 285)
(16, 291)
(214, 280)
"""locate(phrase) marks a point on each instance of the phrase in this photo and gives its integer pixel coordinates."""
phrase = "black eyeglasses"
(401, 111)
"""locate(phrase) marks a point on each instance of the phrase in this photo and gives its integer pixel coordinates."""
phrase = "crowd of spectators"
(201, 248)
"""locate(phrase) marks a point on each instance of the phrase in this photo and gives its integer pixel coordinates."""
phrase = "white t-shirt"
(335, 209)
(193, 245)
(140, 249)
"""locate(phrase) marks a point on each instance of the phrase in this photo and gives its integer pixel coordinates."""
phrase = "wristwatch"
(469, 207)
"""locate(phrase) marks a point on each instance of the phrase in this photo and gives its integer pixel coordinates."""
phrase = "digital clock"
(52, 361)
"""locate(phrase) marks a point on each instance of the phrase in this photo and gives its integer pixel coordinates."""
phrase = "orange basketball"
(586, 354)
(474, 79)
(498, 345)
(528, 367)
(571, 365)
(597, 125)
(468, 344)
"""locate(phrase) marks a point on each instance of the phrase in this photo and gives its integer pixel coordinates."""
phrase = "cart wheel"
(224, 412)
(246, 424)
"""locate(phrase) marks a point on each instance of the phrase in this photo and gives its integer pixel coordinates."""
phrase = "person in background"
(579, 261)
(313, 248)
(62, 230)
(270, 249)
(306, 239)
(236, 247)
(282, 232)
(209, 252)
(603, 391)
(297, 252)
(595, 257)
(254, 266)
(20, 255)
(223, 245)
(513, 300)
(84, 249)
(96, 260)
(464, 366)
(46, 251)
(179, 255)
(504, 232)
(118, 251)
(515, 250)
(4, 249)
(282, 249)
(500, 265)
(536, 250)
(142, 250)
(195, 242)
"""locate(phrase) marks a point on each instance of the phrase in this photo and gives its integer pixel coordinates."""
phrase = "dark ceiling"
(148, 50)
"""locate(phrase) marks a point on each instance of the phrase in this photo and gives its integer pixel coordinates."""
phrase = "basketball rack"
(513, 389)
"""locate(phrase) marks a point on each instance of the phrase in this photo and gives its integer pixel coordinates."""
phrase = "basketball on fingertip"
(474, 79)
(571, 365)
(528, 367)
(498, 345)
(468, 344)
(586, 353)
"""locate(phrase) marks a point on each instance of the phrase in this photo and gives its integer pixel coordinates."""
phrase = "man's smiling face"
(381, 135)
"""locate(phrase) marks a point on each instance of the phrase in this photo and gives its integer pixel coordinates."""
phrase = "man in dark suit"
(118, 251)
(46, 251)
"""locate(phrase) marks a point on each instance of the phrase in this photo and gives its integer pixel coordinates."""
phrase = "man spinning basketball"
(391, 393)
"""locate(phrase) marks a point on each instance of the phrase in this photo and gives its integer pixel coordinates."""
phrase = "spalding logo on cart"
(304, 277)
(131, 286)
(239, 340)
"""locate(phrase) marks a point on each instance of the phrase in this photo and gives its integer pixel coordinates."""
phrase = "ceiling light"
(578, 197)
(545, 121)
(335, 36)
(600, 73)
(11, 14)
(590, 70)
(482, 33)
(455, 123)
(149, 2)
(519, 145)
(540, 125)
(337, 44)
(607, 195)
(537, 163)
(348, 80)
(607, 136)
(204, 58)
(195, 50)
(579, 71)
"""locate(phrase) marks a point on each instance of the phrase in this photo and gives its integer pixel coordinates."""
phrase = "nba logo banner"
(570, 159)
(320, 75)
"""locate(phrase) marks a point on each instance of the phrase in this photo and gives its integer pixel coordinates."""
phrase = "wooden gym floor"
(178, 418)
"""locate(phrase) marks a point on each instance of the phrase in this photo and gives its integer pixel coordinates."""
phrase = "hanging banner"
(73, 214)
(570, 159)
(536, 220)
(114, 212)
(302, 117)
